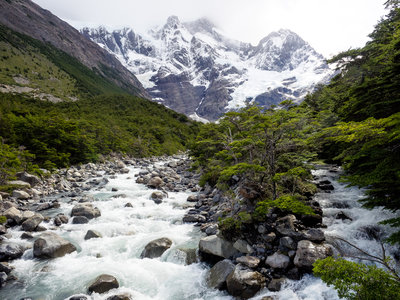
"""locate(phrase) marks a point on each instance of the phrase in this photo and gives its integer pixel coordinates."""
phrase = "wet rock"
(287, 242)
(32, 223)
(325, 186)
(80, 220)
(342, 216)
(249, 261)
(156, 248)
(14, 214)
(114, 189)
(311, 220)
(293, 274)
(6, 268)
(60, 219)
(3, 229)
(192, 198)
(78, 297)
(3, 279)
(103, 284)
(10, 251)
(371, 232)
(21, 195)
(85, 209)
(308, 252)
(243, 247)
(278, 261)
(217, 246)
(92, 234)
(275, 284)
(26, 236)
(50, 245)
(244, 283)
(314, 235)
(157, 197)
(120, 297)
(128, 205)
(155, 182)
(194, 218)
(218, 273)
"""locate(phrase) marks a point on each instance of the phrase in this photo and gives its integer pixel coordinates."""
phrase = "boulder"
(244, 283)
(14, 214)
(6, 268)
(3, 229)
(10, 251)
(103, 284)
(157, 197)
(50, 245)
(85, 209)
(218, 273)
(308, 252)
(212, 229)
(278, 261)
(21, 183)
(21, 195)
(33, 222)
(275, 284)
(27, 214)
(80, 220)
(192, 198)
(60, 219)
(217, 246)
(314, 235)
(26, 177)
(3, 279)
(286, 226)
(120, 297)
(155, 182)
(194, 218)
(156, 248)
(128, 205)
(92, 234)
(287, 242)
(249, 261)
(243, 247)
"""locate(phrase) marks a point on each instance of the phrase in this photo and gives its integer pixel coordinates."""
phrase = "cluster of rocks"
(263, 254)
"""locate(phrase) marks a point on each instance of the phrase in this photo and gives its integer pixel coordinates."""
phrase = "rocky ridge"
(195, 69)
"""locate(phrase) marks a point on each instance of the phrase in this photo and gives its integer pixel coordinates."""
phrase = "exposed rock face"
(29, 18)
(85, 209)
(156, 248)
(194, 69)
(103, 284)
(308, 252)
(244, 283)
(50, 245)
(217, 246)
(218, 273)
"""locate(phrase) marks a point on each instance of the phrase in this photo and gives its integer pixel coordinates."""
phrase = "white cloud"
(330, 26)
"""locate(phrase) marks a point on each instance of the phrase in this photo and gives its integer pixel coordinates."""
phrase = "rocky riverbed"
(86, 224)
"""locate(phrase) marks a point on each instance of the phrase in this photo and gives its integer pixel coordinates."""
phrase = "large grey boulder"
(33, 222)
(244, 283)
(50, 245)
(14, 214)
(278, 261)
(308, 252)
(21, 195)
(31, 179)
(217, 246)
(218, 273)
(156, 248)
(10, 251)
(103, 284)
(85, 209)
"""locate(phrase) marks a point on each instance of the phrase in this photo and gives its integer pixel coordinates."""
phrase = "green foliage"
(231, 227)
(357, 281)
(60, 134)
(3, 219)
(287, 203)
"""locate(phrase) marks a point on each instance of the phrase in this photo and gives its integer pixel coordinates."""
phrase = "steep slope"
(194, 69)
(26, 17)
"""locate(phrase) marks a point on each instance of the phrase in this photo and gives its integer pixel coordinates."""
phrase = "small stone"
(128, 205)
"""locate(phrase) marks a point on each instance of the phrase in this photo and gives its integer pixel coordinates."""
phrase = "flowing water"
(126, 231)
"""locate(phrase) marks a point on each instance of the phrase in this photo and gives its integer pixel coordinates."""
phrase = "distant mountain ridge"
(28, 18)
(194, 69)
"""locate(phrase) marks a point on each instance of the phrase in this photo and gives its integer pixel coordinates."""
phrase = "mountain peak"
(173, 21)
(202, 25)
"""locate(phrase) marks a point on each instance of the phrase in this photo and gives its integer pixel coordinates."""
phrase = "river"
(126, 231)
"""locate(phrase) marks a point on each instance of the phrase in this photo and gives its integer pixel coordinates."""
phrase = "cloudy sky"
(330, 26)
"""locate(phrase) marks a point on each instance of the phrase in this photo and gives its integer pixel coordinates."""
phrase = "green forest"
(354, 122)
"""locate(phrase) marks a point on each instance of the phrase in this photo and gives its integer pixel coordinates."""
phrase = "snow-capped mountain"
(194, 69)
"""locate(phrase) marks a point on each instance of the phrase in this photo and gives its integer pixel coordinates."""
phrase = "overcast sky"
(330, 26)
